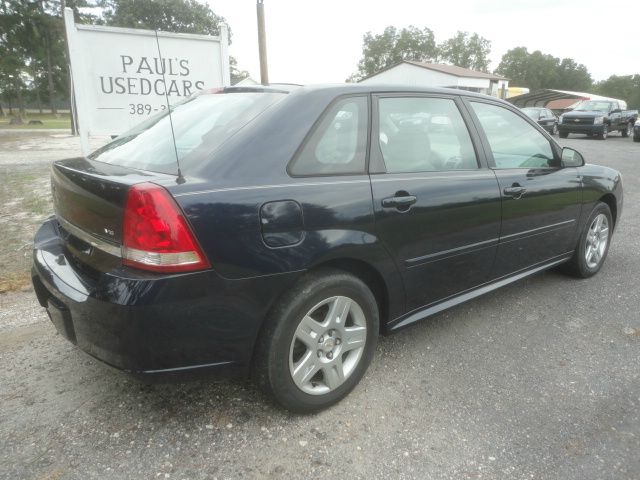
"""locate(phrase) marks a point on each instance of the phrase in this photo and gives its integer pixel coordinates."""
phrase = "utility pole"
(262, 44)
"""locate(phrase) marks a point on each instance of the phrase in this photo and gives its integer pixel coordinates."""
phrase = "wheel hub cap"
(327, 345)
(597, 239)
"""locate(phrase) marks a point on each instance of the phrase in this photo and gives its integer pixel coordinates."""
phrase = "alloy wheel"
(327, 345)
(597, 239)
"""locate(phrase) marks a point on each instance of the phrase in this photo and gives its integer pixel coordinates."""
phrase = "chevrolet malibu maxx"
(280, 230)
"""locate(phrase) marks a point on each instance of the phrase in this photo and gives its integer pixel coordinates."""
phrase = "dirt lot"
(538, 380)
(25, 198)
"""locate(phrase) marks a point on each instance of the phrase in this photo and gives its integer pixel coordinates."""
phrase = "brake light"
(155, 234)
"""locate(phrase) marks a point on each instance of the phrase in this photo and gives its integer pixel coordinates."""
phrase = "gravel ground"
(540, 379)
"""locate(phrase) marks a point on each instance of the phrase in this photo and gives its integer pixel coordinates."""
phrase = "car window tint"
(513, 141)
(195, 129)
(338, 144)
(424, 134)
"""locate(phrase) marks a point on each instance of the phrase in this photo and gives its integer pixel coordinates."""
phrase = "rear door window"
(424, 134)
(338, 145)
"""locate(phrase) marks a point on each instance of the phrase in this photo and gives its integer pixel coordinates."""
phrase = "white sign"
(121, 76)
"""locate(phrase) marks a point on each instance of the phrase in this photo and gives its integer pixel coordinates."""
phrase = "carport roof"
(540, 98)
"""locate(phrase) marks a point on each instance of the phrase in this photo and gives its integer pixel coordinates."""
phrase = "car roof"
(350, 88)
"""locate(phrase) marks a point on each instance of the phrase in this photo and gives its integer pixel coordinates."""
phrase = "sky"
(321, 41)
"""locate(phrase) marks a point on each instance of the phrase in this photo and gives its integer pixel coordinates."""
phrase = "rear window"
(200, 125)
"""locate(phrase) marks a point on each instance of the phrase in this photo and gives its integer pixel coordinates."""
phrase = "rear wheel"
(564, 135)
(593, 244)
(318, 342)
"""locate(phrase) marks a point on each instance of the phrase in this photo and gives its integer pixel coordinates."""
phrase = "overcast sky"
(321, 41)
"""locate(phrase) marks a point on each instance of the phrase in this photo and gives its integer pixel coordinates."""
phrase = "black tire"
(271, 367)
(636, 139)
(627, 131)
(605, 132)
(563, 135)
(578, 266)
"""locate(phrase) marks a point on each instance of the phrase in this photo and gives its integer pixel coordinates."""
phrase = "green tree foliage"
(467, 51)
(626, 87)
(32, 51)
(537, 70)
(183, 16)
(393, 46)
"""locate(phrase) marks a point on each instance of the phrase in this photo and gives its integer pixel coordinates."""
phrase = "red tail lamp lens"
(156, 236)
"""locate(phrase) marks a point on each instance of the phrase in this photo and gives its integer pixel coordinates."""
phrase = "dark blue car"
(281, 230)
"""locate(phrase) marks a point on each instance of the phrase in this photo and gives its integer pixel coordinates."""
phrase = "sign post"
(120, 76)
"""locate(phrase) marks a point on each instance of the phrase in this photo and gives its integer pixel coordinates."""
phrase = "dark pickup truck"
(598, 117)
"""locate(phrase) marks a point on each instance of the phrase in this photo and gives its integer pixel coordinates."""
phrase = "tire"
(636, 139)
(627, 131)
(604, 134)
(303, 335)
(584, 264)
(564, 135)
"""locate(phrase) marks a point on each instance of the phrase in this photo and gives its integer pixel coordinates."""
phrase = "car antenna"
(180, 180)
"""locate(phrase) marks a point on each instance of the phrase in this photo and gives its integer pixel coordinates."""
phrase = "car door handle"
(515, 191)
(399, 202)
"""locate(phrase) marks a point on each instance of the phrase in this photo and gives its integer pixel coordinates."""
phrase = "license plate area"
(61, 318)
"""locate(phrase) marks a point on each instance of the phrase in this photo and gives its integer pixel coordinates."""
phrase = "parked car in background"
(301, 223)
(545, 118)
(636, 131)
(599, 118)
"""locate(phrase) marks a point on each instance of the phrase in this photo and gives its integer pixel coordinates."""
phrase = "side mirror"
(571, 158)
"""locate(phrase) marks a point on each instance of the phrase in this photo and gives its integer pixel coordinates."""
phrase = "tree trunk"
(1, 110)
(52, 99)
(18, 88)
(38, 99)
(47, 44)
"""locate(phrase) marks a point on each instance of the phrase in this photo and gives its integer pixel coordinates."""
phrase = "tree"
(573, 76)
(626, 87)
(32, 42)
(537, 70)
(467, 51)
(236, 74)
(393, 46)
(184, 16)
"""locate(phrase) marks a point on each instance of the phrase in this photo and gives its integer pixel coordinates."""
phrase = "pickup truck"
(598, 117)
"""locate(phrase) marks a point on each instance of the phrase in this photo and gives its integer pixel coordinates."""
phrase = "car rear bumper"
(587, 129)
(146, 323)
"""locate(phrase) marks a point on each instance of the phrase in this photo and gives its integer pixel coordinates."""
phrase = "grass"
(25, 201)
(49, 121)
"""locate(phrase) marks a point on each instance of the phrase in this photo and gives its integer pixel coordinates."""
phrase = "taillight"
(155, 234)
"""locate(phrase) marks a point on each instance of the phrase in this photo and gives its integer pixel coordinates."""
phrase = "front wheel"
(318, 342)
(564, 135)
(593, 244)
(605, 132)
